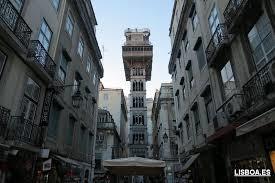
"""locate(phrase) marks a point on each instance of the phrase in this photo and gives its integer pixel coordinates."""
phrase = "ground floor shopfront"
(58, 169)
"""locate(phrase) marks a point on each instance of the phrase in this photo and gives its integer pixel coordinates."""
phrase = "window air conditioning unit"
(220, 120)
(234, 106)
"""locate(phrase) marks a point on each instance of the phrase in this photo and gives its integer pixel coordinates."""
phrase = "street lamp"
(165, 137)
(77, 99)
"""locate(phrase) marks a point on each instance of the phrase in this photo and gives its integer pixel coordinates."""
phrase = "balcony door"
(262, 42)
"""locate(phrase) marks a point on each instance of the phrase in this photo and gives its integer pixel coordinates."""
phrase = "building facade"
(50, 69)
(137, 54)
(166, 127)
(114, 101)
(108, 144)
(222, 68)
(149, 102)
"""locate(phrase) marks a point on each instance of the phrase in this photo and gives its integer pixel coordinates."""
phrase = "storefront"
(247, 152)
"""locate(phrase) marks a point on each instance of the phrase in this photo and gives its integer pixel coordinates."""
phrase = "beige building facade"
(50, 61)
(222, 68)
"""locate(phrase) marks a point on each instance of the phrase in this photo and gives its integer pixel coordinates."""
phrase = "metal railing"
(4, 118)
(23, 130)
(259, 86)
(40, 56)
(106, 125)
(219, 38)
(13, 19)
(232, 9)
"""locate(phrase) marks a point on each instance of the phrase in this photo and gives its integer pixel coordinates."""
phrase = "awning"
(186, 166)
(67, 160)
(223, 131)
(190, 161)
(134, 166)
(260, 121)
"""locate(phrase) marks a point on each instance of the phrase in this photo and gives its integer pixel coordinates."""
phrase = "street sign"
(47, 165)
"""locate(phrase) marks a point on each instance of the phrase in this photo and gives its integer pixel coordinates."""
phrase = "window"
(69, 25)
(197, 119)
(100, 138)
(56, 4)
(190, 76)
(183, 92)
(82, 139)
(97, 164)
(70, 131)
(80, 47)
(261, 41)
(195, 20)
(213, 20)
(17, 4)
(94, 79)
(201, 56)
(30, 100)
(187, 127)
(178, 99)
(88, 66)
(63, 68)
(209, 106)
(53, 120)
(45, 35)
(76, 85)
(187, 45)
(228, 80)
(3, 59)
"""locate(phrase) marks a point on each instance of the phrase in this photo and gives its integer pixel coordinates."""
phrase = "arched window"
(142, 120)
(141, 86)
(142, 102)
(134, 102)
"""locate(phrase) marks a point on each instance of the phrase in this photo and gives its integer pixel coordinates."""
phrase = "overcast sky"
(113, 17)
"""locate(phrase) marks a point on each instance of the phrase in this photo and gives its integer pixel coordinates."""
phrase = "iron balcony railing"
(259, 86)
(40, 56)
(106, 125)
(4, 118)
(234, 7)
(12, 18)
(219, 39)
(23, 130)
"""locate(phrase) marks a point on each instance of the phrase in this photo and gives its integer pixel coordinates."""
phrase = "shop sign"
(47, 165)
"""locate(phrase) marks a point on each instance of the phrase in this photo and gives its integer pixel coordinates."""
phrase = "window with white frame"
(195, 20)
(213, 19)
(45, 35)
(56, 4)
(30, 100)
(88, 66)
(228, 80)
(80, 48)
(262, 41)
(63, 68)
(69, 27)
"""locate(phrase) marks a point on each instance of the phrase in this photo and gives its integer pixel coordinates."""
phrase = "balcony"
(16, 24)
(40, 58)
(137, 51)
(259, 90)
(240, 12)
(218, 42)
(106, 125)
(84, 157)
(4, 118)
(23, 130)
